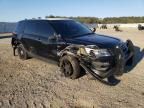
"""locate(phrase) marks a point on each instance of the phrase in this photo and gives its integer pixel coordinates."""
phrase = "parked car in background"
(140, 27)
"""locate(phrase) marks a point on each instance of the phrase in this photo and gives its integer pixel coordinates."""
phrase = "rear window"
(20, 27)
(39, 28)
(30, 27)
(44, 29)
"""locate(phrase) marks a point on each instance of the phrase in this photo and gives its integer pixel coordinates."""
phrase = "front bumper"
(108, 66)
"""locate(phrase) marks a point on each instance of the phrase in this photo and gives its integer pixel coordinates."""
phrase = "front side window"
(70, 28)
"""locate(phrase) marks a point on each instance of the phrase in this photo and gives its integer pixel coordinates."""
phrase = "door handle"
(39, 39)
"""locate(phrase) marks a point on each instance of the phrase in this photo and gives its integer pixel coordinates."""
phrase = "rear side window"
(20, 27)
(44, 29)
(30, 27)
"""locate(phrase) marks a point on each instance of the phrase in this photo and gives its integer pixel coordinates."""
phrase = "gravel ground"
(36, 84)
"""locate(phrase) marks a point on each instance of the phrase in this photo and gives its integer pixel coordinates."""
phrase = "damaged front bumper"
(107, 66)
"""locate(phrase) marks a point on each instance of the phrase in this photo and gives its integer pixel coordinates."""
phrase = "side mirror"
(93, 30)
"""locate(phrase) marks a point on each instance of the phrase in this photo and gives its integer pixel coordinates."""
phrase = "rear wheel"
(70, 67)
(22, 52)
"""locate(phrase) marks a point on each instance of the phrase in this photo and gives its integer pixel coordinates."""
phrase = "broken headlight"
(97, 52)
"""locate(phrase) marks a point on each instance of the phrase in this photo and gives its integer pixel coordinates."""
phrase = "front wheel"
(70, 67)
(22, 52)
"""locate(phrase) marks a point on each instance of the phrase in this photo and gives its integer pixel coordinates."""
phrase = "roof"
(48, 19)
(51, 19)
(58, 19)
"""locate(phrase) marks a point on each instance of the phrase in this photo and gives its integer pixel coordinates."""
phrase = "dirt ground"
(36, 84)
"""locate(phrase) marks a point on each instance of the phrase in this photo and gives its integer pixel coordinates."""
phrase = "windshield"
(70, 28)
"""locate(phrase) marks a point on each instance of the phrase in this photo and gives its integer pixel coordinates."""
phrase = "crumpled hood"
(101, 41)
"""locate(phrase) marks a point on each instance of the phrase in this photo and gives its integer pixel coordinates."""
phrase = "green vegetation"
(104, 20)
(124, 20)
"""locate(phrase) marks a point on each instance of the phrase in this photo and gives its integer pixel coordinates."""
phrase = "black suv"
(74, 46)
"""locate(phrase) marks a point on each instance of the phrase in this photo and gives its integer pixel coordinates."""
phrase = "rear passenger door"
(29, 37)
(47, 48)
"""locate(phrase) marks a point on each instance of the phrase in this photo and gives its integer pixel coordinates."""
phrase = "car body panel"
(101, 41)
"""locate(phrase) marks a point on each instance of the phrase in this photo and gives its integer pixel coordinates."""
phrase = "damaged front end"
(101, 63)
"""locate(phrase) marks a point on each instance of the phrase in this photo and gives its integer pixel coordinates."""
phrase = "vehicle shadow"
(110, 81)
(139, 55)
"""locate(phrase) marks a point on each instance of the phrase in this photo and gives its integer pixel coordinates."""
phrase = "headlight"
(98, 52)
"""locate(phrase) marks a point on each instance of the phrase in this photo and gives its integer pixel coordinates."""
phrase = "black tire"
(22, 52)
(70, 67)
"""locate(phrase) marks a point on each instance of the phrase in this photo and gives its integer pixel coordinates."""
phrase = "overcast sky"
(15, 10)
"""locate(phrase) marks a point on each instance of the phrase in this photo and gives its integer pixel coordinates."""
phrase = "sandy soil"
(37, 84)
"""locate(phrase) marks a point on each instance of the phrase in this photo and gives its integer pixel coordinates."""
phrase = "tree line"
(107, 20)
